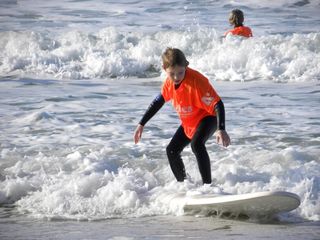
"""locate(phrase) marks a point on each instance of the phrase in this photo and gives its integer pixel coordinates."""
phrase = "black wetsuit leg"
(205, 130)
(178, 142)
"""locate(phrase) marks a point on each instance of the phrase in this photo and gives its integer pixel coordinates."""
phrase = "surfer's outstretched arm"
(222, 136)
(153, 108)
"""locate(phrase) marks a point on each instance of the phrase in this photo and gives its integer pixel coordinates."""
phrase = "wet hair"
(236, 17)
(173, 57)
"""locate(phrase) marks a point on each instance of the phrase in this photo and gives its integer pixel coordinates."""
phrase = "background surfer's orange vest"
(241, 31)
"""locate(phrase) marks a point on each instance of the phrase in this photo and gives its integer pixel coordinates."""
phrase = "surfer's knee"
(197, 147)
(170, 151)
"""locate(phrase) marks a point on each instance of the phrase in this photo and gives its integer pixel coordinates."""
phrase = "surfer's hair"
(236, 17)
(173, 57)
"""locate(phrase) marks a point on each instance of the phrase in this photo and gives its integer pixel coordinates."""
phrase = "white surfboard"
(260, 204)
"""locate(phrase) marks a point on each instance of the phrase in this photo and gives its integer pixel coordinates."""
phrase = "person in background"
(236, 19)
(199, 107)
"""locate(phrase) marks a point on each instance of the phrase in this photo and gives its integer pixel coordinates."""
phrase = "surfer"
(199, 107)
(236, 19)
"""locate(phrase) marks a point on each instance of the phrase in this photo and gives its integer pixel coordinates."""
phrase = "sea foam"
(112, 53)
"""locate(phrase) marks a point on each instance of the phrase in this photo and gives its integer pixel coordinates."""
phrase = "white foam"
(111, 53)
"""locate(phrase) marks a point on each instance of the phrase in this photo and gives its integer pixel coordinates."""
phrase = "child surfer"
(236, 19)
(199, 107)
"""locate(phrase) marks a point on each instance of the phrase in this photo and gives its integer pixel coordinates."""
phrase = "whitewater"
(77, 76)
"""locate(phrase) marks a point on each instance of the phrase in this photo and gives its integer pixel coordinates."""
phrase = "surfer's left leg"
(205, 130)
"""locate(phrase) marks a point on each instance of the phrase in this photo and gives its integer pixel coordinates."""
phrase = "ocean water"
(77, 76)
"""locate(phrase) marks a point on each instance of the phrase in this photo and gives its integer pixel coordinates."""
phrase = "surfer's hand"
(138, 133)
(222, 138)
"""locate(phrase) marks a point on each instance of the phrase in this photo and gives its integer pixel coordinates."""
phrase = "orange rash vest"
(241, 31)
(194, 99)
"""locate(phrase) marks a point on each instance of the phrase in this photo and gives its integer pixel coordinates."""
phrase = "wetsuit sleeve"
(220, 113)
(153, 108)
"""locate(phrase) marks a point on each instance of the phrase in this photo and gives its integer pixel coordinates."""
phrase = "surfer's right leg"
(178, 142)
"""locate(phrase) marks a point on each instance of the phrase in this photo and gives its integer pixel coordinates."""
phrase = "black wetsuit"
(207, 126)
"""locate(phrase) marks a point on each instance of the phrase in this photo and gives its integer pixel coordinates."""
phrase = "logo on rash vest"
(207, 100)
(184, 110)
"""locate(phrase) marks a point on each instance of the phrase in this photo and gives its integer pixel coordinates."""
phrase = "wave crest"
(110, 53)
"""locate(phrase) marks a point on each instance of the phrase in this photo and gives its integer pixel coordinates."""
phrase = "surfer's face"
(176, 74)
